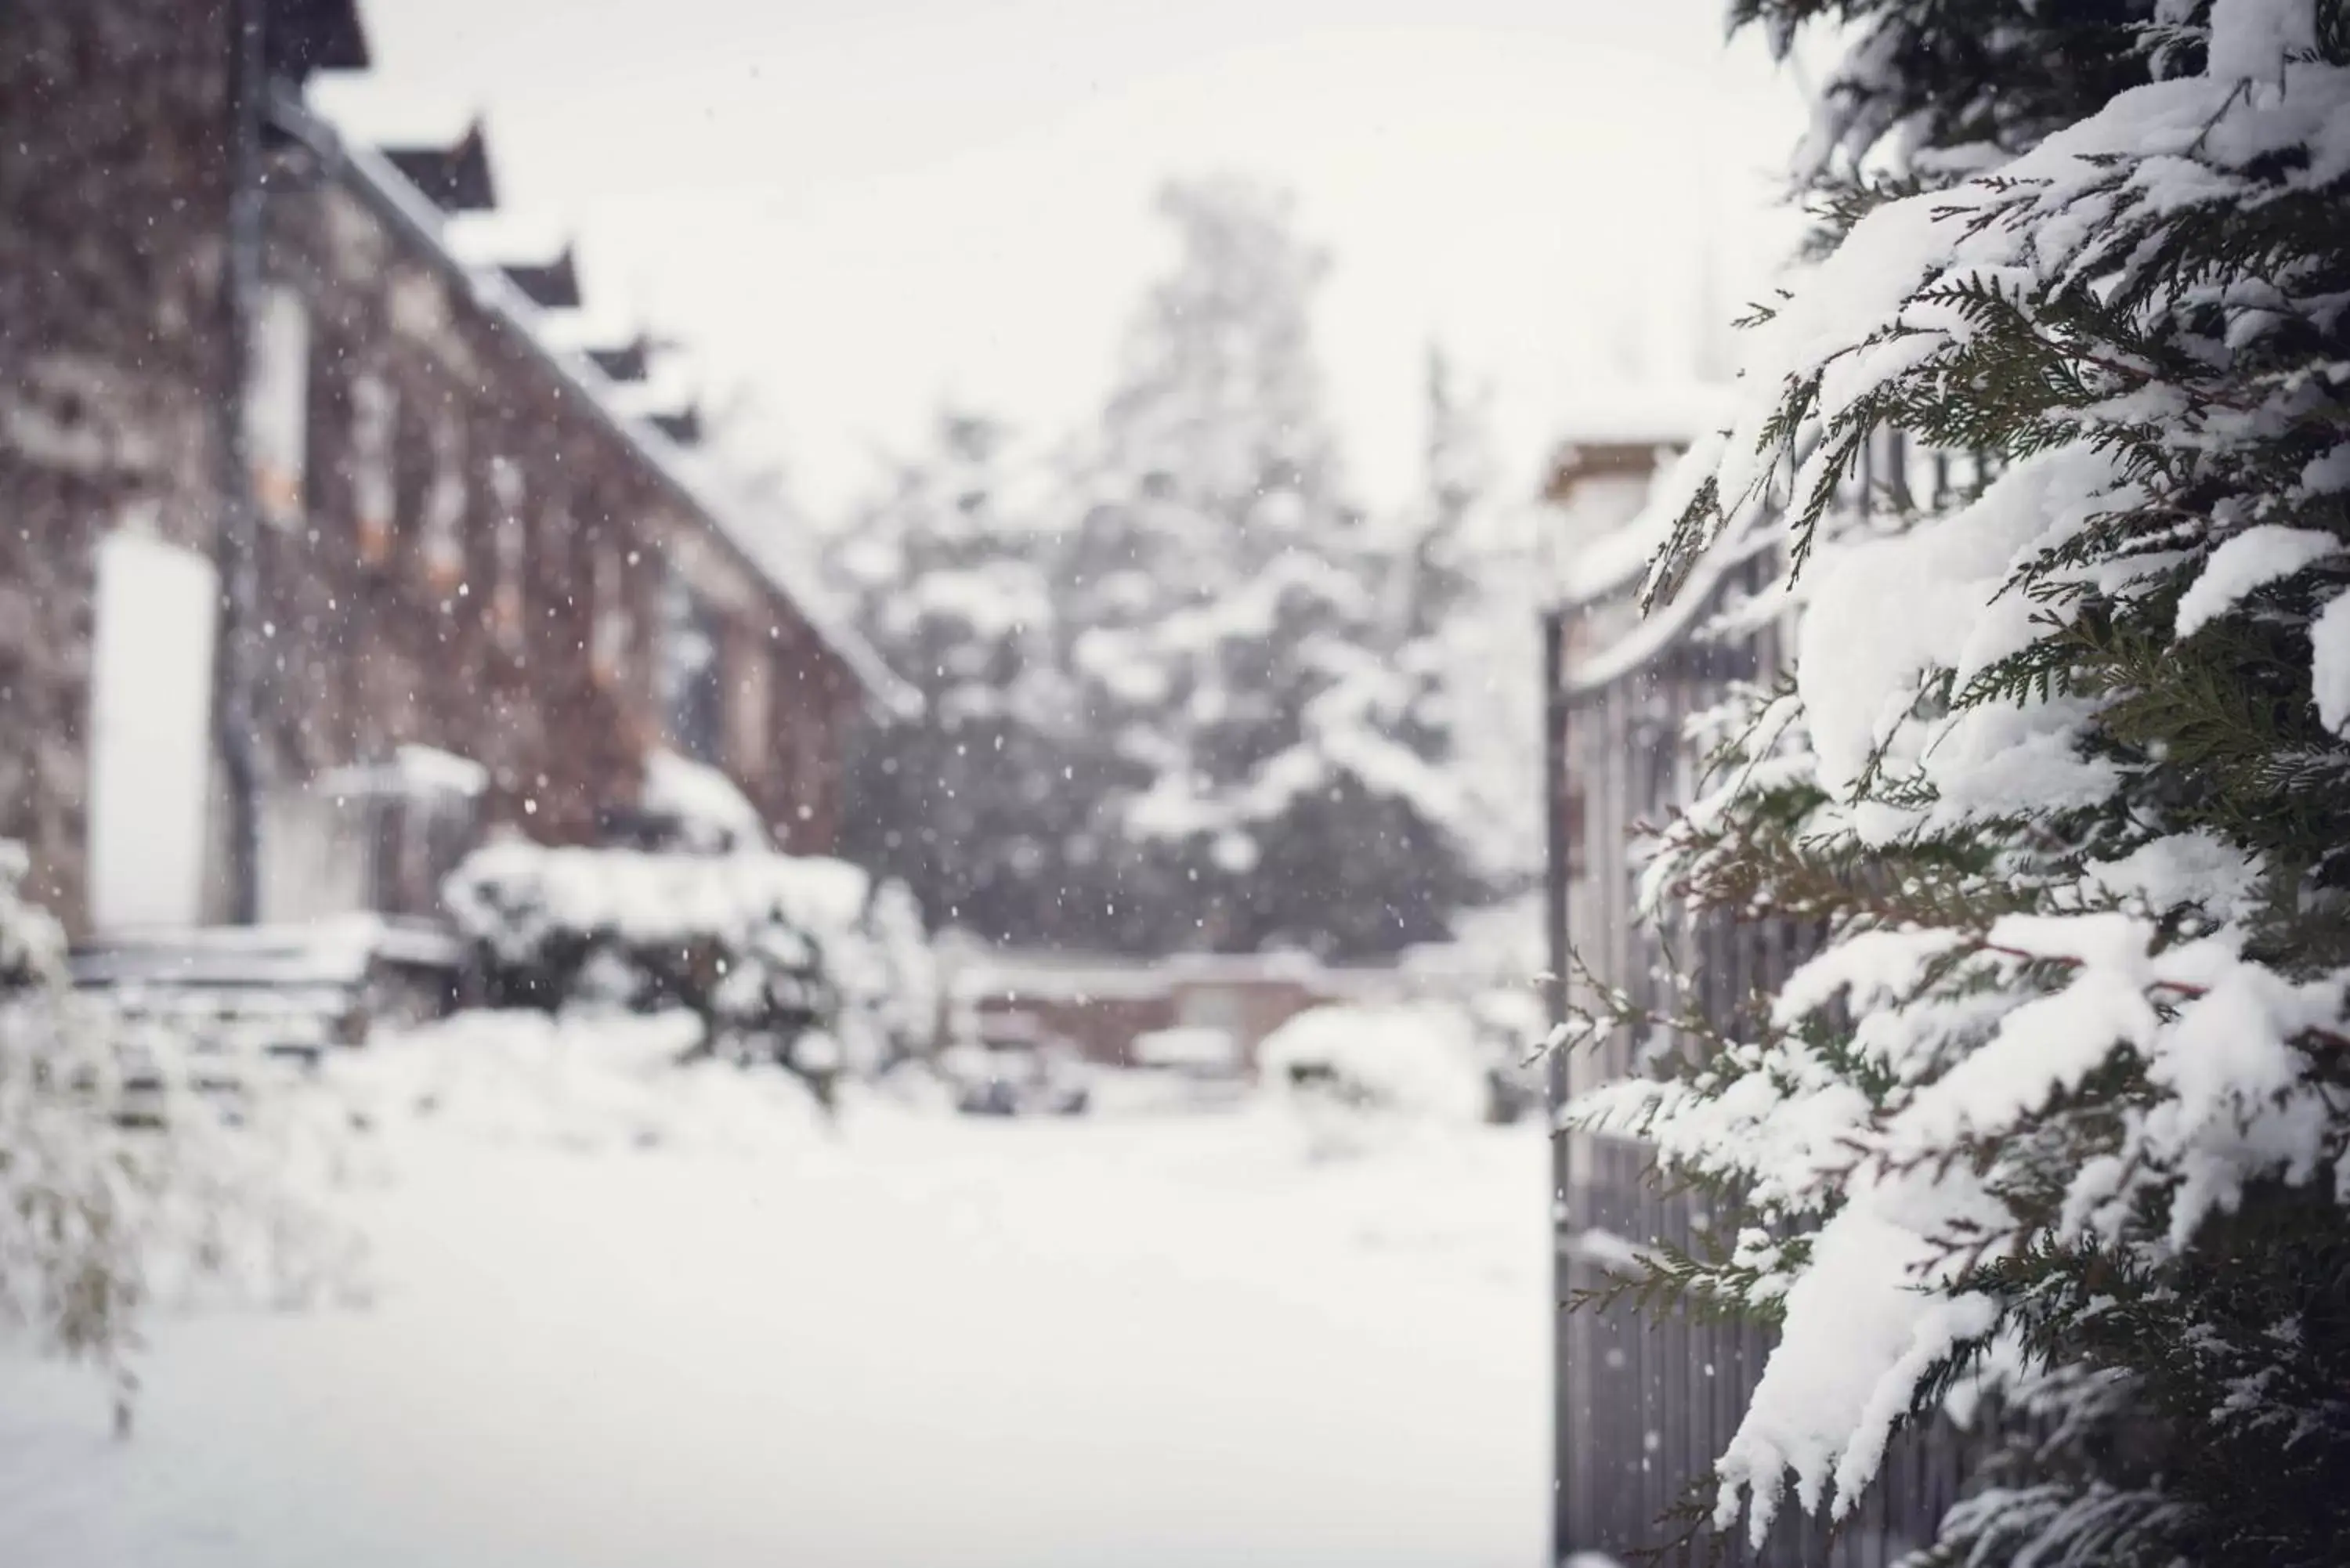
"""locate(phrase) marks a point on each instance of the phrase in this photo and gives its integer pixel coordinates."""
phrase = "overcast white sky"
(860, 207)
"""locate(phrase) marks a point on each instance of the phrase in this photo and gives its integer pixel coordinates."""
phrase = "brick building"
(483, 592)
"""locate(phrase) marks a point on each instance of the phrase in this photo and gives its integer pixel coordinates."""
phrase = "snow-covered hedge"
(97, 1220)
(32, 947)
(795, 957)
(1419, 1060)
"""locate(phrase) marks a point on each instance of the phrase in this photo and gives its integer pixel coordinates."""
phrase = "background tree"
(1465, 577)
(1225, 632)
(1183, 693)
(945, 569)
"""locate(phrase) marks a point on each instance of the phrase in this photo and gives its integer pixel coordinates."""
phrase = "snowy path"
(1140, 1342)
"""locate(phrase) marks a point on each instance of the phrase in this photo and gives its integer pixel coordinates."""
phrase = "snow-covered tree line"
(1183, 691)
(2058, 1116)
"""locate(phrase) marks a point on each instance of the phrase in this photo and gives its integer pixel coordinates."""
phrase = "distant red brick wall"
(1104, 1027)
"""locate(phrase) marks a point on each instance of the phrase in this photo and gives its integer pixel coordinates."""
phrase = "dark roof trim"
(376, 181)
(631, 362)
(455, 179)
(550, 285)
(303, 35)
(683, 426)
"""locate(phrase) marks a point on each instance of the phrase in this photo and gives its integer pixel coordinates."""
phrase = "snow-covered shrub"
(98, 1221)
(890, 981)
(698, 807)
(797, 959)
(69, 1260)
(1354, 1071)
(1487, 968)
(2059, 1114)
(32, 947)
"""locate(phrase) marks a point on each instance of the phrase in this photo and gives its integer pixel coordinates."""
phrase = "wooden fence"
(1646, 1401)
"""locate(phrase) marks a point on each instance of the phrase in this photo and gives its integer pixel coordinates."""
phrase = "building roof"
(1645, 414)
(379, 179)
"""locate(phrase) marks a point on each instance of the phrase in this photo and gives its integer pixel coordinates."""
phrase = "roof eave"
(414, 216)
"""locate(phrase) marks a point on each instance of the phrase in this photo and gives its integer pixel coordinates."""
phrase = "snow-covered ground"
(625, 1315)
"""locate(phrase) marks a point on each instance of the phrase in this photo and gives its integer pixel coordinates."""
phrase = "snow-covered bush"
(2060, 1112)
(1355, 1071)
(32, 947)
(797, 959)
(698, 807)
(1486, 969)
(98, 1220)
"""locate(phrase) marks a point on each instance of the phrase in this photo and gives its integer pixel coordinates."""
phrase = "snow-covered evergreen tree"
(69, 1260)
(2059, 1111)
(1252, 766)
(1468, 595)
(1427, 566)
(947, 574)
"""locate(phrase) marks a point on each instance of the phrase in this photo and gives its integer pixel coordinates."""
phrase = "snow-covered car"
(1019, 1080)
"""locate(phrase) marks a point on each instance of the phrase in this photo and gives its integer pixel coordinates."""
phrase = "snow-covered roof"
(1621, 561)
(1614, 560)
(691, 481)
(1613, 486)
(1079, 976)
(1638, 414)
(1599, 565)
(1189, 1045)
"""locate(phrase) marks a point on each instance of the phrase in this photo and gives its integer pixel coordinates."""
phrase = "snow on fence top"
(1665, 414)
(1604, 551)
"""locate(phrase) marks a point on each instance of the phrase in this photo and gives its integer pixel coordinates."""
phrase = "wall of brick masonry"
(112, 205)
(477, 562)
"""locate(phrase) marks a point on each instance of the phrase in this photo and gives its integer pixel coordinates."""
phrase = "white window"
(277, 403)
(611, 632)
(444, 507)
(375, 492)
(511, 544)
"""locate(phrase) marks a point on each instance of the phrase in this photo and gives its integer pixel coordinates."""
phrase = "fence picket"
(1644, 1406)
